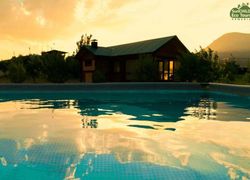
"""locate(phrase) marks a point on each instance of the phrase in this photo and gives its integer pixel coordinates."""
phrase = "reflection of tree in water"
(206, 109)
(89, 123)
(52, 104)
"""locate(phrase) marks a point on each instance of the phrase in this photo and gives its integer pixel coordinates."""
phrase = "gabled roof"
(140, 47)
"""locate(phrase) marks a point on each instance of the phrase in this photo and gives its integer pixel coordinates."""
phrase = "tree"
(34, 67)
(208, 68)
(188, 69)
(84, 41)
(246, 77)
(73, 67)
(55, 67)
(202, 66)
(229, 70)
(4, 66)
(16, 72)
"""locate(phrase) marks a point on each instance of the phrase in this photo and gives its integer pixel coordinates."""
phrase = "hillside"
(233, 44)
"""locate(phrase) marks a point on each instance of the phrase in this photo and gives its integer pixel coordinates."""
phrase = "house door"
(166, 69)
(88, 77)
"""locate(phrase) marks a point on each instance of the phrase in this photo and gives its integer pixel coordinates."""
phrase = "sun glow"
(112, 22)
(24, 10)
(79, 11)
(41, 20)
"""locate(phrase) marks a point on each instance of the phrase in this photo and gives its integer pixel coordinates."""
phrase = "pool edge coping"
(221, 87)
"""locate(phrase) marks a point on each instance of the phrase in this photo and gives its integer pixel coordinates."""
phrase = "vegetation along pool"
(124, 135)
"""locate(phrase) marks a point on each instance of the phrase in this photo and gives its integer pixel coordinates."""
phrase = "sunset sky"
(32, 26)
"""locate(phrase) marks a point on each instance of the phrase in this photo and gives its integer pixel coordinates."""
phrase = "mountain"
(233, 44)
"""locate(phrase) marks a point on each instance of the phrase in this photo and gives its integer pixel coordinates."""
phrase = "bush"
(229, 70)
(146, 70)
(208, 66)
(202, 66)
(73, 67)
(4, 66)
(16, 72)
(99, 77)
(246, 78)
(33, 67)
(187, 71)
(55, 68)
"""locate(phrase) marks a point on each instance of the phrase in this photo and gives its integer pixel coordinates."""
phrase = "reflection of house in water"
(206, 109)
(89, 123)
(156, 107)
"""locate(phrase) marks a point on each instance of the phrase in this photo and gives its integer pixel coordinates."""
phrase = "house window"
(166, 70)
(171, 70)
(88, 62)
(161, 69)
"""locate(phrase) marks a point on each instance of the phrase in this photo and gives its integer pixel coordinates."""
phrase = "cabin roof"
(141, 47)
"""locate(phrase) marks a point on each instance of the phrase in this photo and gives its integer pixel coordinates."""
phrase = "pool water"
(124, 135)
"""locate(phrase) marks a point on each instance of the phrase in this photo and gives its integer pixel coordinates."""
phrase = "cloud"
(98, 11)
(35, 20)
(46, 19)
(30, 22)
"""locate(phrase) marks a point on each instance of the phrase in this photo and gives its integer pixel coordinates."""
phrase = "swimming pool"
(153, 134)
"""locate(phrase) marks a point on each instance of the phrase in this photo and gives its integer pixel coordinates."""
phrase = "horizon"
(30, 27)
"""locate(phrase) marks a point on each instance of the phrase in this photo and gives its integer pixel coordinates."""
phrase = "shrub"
(229, 70)
(187, 71)
(73, 67)
(4, 66)
(246, 78)
(33, 67)
(55, 68)
(146, 69)
(202, 66)
(99, 77)
(16, 72)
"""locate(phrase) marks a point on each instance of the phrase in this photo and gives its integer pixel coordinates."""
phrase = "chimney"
(94, 43)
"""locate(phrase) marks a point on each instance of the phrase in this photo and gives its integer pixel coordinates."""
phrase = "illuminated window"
(171, 70)
(166, 70)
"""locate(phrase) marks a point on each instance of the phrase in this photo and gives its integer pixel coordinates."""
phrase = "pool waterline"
(124, 134)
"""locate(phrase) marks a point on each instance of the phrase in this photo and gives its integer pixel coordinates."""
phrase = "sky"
(32, 26)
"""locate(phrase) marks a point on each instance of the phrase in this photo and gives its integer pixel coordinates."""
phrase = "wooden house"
(119, 63)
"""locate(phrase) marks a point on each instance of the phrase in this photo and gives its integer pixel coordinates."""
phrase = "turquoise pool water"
(124, 135)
